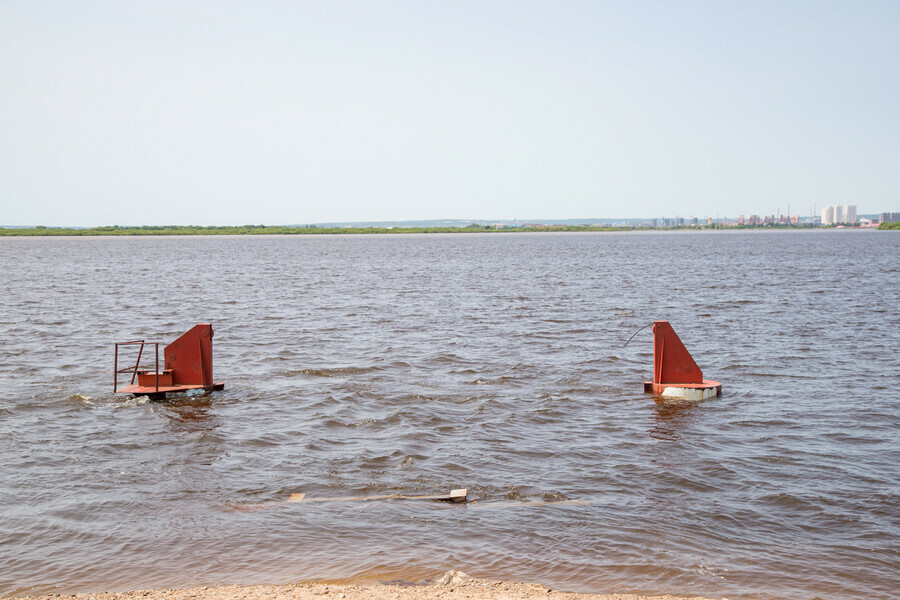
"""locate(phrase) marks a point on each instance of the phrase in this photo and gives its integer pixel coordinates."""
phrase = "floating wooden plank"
(458, 495)
(528, 503)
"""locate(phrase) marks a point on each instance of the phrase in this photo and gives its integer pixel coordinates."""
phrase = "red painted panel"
(672, 363)
(150, 380)
(190, 356)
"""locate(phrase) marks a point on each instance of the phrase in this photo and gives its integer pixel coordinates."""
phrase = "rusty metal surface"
(189, 358)
(188, 366)
(672, 363)
(154, 378)
(141, 390)
(673, 366)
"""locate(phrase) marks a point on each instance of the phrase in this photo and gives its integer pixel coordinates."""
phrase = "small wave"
(508, 381)
(463, 372)
(731, 393)
(517, 494)
(335, 423)
(82, 399)
(447, 358)
(554, 496)
(792, 501)
(134, 401)
(336, 372)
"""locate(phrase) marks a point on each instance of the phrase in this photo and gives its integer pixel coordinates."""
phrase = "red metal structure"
(188, 366)
(675, 374)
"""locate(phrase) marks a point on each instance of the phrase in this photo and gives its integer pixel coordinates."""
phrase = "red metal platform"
(188, 366)
(149, 390)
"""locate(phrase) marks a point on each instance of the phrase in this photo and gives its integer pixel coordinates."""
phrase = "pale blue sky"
(281, 112)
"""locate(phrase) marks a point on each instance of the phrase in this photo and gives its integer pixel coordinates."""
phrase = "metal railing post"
(137, 363)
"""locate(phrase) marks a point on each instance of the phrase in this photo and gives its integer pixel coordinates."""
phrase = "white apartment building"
(836, 213)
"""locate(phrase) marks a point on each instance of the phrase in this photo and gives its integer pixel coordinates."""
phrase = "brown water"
(416, 364)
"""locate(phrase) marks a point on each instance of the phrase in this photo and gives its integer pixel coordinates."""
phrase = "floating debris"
(455, 496)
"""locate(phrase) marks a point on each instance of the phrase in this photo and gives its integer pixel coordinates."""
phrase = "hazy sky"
(280, 112)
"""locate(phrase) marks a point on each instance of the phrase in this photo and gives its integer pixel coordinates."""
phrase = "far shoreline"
(250, 230)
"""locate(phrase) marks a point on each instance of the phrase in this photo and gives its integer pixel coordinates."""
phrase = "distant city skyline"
(233, 113)
(661, 221)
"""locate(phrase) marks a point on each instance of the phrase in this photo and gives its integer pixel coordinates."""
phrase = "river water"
(413, 364)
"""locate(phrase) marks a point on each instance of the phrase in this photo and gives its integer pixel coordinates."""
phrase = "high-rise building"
(835, 213)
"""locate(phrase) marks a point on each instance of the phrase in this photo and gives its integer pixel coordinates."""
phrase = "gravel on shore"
(454, 585)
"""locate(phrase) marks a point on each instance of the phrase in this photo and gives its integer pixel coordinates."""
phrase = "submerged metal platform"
(188, 366)
(150, 390)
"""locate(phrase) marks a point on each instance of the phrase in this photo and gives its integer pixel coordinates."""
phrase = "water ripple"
(361, 366)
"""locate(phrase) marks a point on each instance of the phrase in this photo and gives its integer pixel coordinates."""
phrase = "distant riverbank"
(281, 230)
(144, 230)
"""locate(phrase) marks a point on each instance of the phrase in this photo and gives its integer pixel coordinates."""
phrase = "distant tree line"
(279, 230)
(318, 230)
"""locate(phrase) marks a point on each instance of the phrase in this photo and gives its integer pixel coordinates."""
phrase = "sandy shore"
(454, 585)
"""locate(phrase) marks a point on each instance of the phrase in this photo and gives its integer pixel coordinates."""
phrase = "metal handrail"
(137, 363)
